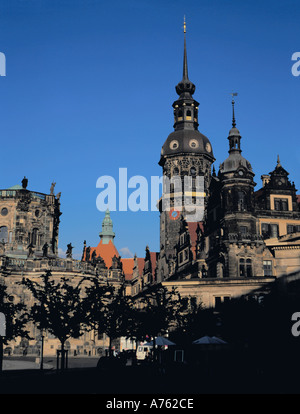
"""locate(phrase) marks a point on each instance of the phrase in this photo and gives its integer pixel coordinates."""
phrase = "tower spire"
(185, 66)
(185, 88)
(233, 94)
(278, 161)
(234, 134)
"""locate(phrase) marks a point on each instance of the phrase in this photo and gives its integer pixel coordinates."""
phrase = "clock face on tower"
(280, 181)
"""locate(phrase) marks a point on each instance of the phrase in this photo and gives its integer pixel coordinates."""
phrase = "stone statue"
(45, 250)
(87, 254)
(24, 183)
(30, 250)
(58, 195)
(94, 256)
(204, 271)
(52, 188)
(69, 251)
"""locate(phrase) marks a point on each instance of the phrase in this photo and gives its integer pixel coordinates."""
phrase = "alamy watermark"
(2, 324)
(175, 194)
(2, 64)
(296, 326)
(296, 66)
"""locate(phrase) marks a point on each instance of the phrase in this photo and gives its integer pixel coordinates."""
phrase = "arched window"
(3, 234)
(188, 115)
(34, 237)
(180, 116)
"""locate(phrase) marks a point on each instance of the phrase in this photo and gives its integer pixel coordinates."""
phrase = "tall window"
(3, 234)
(34, 237)
(245, 268)
(267, 268)
(248, 268)
(241, 201)
(242, 268)
(269, 230)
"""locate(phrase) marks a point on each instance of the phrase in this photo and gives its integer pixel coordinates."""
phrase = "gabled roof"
(129, 264)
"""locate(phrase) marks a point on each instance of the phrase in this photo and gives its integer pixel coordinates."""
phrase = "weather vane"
(233, 94)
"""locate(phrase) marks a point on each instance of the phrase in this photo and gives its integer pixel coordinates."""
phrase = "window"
(291, 228)
(248, 268)
(185, 254)
(4, 211)
(243, 230)
(267, 264)
(274, 230)
(281, 204)
(180, 257)
(242, 267)
(182, 238)
(269, 230)
(241, 201)
(218, 301)
(3, 234)
(34, 237)
(188, 115)
(245, 267)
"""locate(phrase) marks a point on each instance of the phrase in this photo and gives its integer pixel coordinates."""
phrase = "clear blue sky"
(90, 85)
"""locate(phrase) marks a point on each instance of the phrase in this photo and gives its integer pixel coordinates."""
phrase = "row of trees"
(67, 310)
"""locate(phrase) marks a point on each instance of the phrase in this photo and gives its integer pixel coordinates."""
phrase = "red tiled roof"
(153, 256)
(141, 264)
(128, 265)
(106, 251)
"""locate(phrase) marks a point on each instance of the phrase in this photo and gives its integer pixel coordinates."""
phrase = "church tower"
(107, 234)
(235, 248)
(186, 159)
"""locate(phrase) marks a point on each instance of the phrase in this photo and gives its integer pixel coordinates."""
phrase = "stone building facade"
(244, 238)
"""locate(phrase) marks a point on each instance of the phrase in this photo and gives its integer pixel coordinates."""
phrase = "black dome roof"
(187, 141)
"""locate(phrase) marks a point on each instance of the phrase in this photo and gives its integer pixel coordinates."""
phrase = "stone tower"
(186, 159)
(235, 248)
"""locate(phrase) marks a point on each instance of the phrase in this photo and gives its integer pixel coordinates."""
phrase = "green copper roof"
(15, 187)
(107, 233)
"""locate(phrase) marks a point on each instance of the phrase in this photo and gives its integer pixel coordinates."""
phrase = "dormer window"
(281, 204)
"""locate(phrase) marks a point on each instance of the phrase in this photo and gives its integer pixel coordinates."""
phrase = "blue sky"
(90, 85)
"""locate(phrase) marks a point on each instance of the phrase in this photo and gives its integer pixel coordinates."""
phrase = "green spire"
(107, 233)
